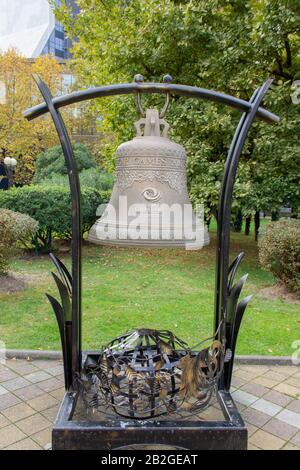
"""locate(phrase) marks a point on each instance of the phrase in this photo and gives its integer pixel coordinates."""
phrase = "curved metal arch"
(131, 88)
(223, 234)
(75, 346)
(251, 110)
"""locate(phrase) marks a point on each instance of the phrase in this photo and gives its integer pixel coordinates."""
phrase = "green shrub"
(92, 178)
(14, 227)
(51, 207)
(279, 251)
(52, 162)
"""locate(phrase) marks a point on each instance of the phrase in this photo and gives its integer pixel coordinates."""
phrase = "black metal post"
(76, 228)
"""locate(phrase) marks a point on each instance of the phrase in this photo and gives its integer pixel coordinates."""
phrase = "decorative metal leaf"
(159, 365)
(63, 271)
(233, 297)
(117, 371)
(233, 269)
(104, 365)
(163, 393)
(165, 348)
(59, 313)
(130, 373)
(65, 298)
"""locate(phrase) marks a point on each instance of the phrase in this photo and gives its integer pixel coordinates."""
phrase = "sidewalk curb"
(57, 355)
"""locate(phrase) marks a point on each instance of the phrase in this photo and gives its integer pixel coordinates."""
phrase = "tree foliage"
(231, 46)
(19, 138)
(51, 207)
(52, 162)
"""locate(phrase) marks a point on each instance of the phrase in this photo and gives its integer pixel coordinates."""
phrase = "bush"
(51, 207)
(279, 251)
(92, 178)
(14, 227)
(52, 162)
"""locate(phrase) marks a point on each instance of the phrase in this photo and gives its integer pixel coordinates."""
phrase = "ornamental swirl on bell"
(149, 205)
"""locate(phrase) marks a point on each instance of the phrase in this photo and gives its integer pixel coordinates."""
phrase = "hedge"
(14, 227)
(51, 207)
(279, 251)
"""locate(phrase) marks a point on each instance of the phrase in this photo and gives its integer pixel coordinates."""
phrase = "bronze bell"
(149, 205)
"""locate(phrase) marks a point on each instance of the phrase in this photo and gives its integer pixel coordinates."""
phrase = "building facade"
(30, 27)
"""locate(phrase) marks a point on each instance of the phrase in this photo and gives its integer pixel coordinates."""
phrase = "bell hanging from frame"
(149, 205)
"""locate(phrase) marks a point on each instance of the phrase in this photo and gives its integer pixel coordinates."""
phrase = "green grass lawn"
(167, 289)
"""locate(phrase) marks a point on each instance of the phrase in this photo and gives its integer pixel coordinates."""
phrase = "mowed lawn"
(166, 289)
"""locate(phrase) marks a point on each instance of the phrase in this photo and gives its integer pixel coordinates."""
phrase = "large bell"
(149, 205)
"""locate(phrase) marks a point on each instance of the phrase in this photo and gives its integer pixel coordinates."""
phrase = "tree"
(52, 162)
(18, 137)
(232, 46)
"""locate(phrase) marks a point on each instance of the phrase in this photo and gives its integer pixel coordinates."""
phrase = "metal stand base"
(111, 434)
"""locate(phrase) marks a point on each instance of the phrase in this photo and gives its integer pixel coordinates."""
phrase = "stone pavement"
(30, 393)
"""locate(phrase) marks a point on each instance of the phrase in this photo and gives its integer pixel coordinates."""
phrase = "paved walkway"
(30, 393)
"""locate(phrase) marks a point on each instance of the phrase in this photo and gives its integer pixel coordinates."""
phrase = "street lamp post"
(10, 164)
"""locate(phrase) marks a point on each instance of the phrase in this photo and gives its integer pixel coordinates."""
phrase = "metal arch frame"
(227, 309)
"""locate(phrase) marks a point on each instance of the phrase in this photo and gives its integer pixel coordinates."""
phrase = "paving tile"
(239, 406)
(56, 370)
(2, 390)
(50, 384)
(296, 439)
(44, 437)
(252, 447)
(8, 400)
(245, 375)
(290, 446)
(266, 441)
(255, 417)
(288, 389)
(42, 402)
(38, 376)
(293, 381)
(7, 375)
(244, 397)
(278, 428)
(15, 384)
(285, 371)
(51, 413)
(266, 382)
(22, 367)
(29, 392)
(18, 412)
(45, 364)
(255, 389)
(273, 376)
(25, 444)
(266, 407)
(3, 421)
(9, 435)
(290, 417)
(277, 398)
(59, 393)
(251, 429)
(33, 424)
(294, 406)
(237, 382)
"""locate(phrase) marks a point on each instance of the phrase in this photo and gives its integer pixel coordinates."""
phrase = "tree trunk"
(256, 225)
(274, 216)
(247, 225)
(237, 221)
